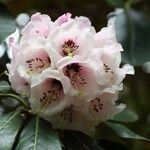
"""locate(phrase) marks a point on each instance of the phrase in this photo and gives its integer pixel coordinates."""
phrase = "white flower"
(51, 92)
(74, 37)
(29, 58)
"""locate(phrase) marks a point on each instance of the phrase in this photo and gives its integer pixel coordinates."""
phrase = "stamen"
(67, 114)
(69, 47)
(36, 65)
(51, 96)
(107, 69)
(73, 71)
(96, 105)
(27, 84)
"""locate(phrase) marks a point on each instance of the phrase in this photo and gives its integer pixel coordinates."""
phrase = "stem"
(20, 100)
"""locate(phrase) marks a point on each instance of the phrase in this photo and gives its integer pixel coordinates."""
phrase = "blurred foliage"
(127, 115)
(133, 31)
(7, 24)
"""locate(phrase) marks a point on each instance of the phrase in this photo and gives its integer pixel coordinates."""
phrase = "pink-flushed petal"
(103, 107)
(37, 61)
(40, 17)
(50, 93)
(40, 25)
(63, 19)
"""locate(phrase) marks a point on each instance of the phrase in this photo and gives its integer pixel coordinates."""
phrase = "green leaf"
(7, 26)
(124, 132)
(133, 30)
(4, 87)
(9, 127)
(127, 115)
(38, 135)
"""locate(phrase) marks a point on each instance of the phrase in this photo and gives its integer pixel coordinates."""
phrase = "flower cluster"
(70, 73)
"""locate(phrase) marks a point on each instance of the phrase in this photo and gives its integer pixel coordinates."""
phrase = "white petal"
(128, 69)
(103, 107)
(72, 119)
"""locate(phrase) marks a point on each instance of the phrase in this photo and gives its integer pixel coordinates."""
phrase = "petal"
(105, 36)
(128, 69)
(19, 84)
(37, 61)
(85, 22)
(40, 25)
(108, 68)
(62, 19)
(122, 72)
(72, 119)
(103, 107)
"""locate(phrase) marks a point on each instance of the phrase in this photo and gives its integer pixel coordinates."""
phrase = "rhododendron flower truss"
(70, 73)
